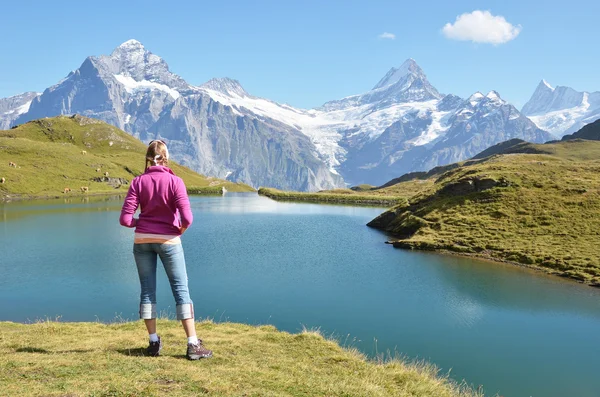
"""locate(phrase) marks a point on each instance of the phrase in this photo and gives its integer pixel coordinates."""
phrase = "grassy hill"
(94, 359)
(536, 205)
(49, 157)
(338, 196)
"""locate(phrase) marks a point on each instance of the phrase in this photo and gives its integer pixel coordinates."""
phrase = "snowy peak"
(133, 56)
(543, 84)
(404, 84)
(131, 45)
(475, 98)
(226, 86)
(546, 98)
(494, 96)
(132, 61)
(561, 110)
(409, 67)
(478, 98)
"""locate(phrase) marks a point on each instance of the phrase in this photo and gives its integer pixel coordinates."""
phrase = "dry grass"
(95, 359)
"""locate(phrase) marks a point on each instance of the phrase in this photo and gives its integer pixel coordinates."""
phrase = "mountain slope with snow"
(562, 110)
(401, 125)
(134, 90)
(13, 107)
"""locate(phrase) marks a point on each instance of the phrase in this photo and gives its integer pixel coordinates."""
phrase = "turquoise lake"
(256, 261)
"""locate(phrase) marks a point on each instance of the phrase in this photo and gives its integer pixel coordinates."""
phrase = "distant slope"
(49, 157)
(539, 206)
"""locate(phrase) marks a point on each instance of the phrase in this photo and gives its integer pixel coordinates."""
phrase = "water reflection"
(509, 287)
(248, 203)
(18, 209)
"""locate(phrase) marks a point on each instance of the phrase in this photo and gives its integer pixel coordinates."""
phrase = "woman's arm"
(129, 207)
(182, 202)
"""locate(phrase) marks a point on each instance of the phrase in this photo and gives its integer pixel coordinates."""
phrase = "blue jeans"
(173, 260)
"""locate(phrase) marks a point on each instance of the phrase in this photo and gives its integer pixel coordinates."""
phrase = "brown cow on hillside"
(84, 189)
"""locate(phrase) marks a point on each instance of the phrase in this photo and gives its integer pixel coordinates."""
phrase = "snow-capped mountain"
(438, 132)
(12, 107)
(134, 90)
(562, 110)
(403, 124)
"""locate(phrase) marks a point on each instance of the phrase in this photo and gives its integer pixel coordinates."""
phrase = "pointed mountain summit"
(407, 83)
(562, 110)
(540, 99)
(131, 45)
(404, 84)
(396, 74)
(132, 60)
(103, 87)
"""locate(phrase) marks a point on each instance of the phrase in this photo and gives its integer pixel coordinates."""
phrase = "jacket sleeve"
(182, 202)
(129, 207)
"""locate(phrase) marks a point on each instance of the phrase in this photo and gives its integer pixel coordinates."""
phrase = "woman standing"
(164, 215)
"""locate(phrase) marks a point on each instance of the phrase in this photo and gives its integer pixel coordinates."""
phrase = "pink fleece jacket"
(164, 203)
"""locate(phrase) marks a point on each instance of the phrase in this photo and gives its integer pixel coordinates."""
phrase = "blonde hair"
(156, 154)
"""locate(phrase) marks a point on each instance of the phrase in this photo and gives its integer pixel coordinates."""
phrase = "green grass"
(547, 217)
(357, 195)
(95, 359)
(49, 157)
(342, 196)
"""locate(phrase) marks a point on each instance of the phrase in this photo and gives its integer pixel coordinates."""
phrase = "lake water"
(257, 261)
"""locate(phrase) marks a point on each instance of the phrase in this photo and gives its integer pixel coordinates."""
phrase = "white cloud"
(481, 27)
(386, 35)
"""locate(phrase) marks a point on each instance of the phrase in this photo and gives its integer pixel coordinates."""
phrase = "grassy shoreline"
(539, 209)
(331, 198)
(192, 191)
(73, 359)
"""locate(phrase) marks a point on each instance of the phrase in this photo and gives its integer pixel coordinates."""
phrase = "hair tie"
(156, 158)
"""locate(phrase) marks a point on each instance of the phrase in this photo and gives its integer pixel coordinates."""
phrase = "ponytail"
(157, 154)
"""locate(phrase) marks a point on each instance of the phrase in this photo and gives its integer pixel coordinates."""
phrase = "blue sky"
(308, 52)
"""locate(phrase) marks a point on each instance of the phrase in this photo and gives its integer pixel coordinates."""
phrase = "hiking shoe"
(197, 351)
(154, 348)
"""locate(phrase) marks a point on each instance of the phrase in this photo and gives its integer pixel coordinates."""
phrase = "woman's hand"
(182, 230)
